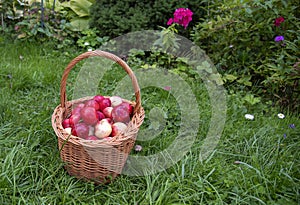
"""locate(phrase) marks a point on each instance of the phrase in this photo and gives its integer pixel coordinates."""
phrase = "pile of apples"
(99, 118)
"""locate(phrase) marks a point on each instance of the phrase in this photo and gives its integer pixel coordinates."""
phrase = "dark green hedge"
(113, 18)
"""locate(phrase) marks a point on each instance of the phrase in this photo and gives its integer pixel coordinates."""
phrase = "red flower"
(278, 21)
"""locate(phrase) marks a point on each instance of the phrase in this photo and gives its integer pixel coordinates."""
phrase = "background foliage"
(114, 18)
(238, 36)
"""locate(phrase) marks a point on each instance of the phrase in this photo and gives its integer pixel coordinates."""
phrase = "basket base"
(99, 165)
(97, 180)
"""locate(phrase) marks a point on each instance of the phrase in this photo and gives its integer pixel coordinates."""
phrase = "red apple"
(128, 106)
(89, 115)
(98, 98)
(100, 115)
(81, 130)
(92, 103)
(120, 113)
(74, 119)
(104, 103)
(66, 123)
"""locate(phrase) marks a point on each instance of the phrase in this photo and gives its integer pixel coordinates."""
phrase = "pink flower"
(278, 21)
(167, 88)
(182, 16)
(170, 22)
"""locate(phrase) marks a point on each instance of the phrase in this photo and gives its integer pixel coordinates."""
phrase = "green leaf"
(251, 99)
(229, 77)
(79, 24)
(80, 7)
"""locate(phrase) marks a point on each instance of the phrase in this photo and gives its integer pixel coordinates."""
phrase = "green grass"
(252, 164)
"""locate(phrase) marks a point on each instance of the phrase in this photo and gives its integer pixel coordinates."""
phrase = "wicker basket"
(99, 161)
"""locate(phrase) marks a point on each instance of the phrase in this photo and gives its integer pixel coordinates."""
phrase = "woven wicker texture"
(99, 161)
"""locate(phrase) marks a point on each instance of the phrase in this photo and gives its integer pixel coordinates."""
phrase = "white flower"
(249, 117)
(86, 43)
(280, 115)
(90, 49)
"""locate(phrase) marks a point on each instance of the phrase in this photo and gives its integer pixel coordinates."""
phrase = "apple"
(98, 98)
(128, 106)
(74, 119)
(120, 113)
(107, 111)
(105, 102)
(109, 120)
(89, 115)
(91, 130)
(81, 130)
(118, 128)
(115, 101)
(92, 103)
(100, 115)
(103, 129)
(68, 130)
(66, 123)
(77, 108)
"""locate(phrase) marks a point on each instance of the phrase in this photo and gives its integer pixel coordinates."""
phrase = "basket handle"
(63, 96)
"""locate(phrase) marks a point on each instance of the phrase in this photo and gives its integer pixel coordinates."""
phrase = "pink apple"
(103, 129)
(107, 111)
(115, 101)
(118, 128)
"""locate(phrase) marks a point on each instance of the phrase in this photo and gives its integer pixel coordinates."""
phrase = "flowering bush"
(255, 43)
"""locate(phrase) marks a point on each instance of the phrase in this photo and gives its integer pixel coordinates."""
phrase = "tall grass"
(253, 164)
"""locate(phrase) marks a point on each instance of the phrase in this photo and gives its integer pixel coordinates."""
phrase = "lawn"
(255, 162)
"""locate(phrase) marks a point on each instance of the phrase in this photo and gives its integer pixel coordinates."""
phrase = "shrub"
(239, 37)
(114, 18)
